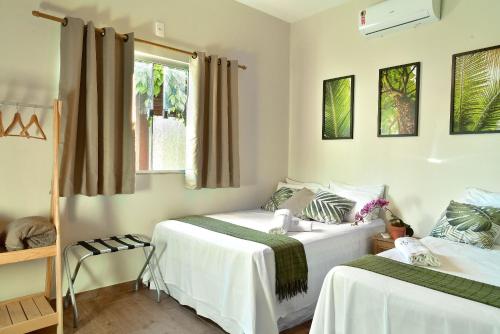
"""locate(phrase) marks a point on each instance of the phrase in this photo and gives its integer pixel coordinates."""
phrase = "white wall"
(29, 73)
(425, 172)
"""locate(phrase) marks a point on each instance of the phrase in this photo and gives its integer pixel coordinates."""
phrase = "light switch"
(160, 29)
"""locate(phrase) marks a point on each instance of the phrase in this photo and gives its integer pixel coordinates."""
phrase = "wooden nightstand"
(380, 244)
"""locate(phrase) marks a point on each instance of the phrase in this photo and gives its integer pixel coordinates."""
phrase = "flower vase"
(397, 231)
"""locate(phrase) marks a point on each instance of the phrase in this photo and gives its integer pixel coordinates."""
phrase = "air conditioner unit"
(392, 15)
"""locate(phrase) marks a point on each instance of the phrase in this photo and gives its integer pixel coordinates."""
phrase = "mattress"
(388, 305)
(231, 281)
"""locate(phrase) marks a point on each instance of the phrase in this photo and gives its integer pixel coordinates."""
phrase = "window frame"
(172, 63)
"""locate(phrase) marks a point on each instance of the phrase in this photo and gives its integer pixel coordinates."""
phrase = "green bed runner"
(289, 254)
(453, 285)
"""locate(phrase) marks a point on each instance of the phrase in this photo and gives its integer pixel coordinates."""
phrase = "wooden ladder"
(32, 312)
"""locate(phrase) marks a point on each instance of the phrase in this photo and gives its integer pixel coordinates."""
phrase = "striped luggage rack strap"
(128, 241)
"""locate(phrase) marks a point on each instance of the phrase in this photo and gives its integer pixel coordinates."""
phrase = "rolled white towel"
(298, 225)
(415, 252)
(281, 222)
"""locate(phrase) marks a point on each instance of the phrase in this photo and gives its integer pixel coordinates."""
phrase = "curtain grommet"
(194, 55)
(65, 23)
(103, 32)
(126, 38)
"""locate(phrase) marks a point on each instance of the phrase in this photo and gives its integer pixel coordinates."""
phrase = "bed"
(232, 281)
(356, 301)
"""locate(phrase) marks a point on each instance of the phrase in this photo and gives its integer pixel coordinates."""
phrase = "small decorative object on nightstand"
(381, 244)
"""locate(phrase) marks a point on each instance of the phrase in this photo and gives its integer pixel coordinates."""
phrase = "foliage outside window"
(161, 91)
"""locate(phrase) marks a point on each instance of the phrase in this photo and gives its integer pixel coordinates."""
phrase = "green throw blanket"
(289, 255)
(453, 285)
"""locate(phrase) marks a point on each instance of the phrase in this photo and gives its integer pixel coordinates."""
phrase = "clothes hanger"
(2, 131)
(16, 120)
(33, 120)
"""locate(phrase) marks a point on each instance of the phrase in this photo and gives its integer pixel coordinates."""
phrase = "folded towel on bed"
(297, 225)
(281, 222)
(30, 232)
(415, 252)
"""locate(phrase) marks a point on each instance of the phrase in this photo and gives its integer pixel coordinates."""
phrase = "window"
(161, 91)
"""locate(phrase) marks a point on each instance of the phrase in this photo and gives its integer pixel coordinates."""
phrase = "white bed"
(356, 301)
(232, 281)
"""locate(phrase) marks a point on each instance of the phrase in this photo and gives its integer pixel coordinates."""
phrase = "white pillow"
(310, 185)
(481, 197)
(359, 194)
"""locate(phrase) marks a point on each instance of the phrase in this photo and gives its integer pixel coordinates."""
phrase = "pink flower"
(369, 207)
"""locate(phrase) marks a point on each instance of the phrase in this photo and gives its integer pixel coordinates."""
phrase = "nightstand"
(380, 244)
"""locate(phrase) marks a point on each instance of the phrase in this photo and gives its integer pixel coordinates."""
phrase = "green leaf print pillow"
(279, 196)
(466, 223)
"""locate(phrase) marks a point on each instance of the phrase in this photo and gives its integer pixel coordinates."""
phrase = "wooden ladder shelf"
(32, 312)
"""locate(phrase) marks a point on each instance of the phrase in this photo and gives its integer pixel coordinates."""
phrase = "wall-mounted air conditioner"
(392, 15)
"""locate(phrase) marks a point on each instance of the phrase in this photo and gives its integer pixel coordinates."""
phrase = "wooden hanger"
(17, 120)
(2, 131)
(33, 120)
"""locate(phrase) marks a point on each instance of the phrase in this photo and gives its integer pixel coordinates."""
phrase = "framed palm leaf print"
(475, 92)
(398, 100)
(338, 108)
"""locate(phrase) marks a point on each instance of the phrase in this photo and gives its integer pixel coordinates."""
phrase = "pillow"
(30, 232)
(278, 197)
(310, 185)
(298, 202)
(359, 194)
(470, 224)
(289, 185)
(327, 207)
(481, 197)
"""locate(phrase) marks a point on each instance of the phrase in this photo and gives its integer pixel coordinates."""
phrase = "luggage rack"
(105, 246)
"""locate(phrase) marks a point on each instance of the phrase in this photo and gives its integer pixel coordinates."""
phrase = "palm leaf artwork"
(476, 92)
(338, 108)
(328, 208)
(278, 198)
(470, 217)
(398, 100)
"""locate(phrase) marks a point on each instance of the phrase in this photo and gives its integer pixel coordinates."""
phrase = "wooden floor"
(119, 309)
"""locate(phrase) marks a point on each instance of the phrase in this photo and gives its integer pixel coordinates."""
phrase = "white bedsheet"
(232, 281)
(355, 301)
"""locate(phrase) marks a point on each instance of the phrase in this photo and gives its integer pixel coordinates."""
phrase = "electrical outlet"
(160, 29)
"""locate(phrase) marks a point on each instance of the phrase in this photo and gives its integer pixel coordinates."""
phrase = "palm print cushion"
(466, 223)
(279, 196)
(328, 208)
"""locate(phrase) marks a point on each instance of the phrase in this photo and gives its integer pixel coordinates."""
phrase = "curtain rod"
(140, 40)
(24, 105)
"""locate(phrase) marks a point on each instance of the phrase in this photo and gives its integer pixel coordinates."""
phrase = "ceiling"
(291, 10)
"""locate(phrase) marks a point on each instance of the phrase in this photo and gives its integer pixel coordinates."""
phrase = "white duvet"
(232, 281)
(355, 301)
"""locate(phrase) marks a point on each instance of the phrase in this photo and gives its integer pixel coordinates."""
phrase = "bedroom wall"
(423, 173)
(29, 72)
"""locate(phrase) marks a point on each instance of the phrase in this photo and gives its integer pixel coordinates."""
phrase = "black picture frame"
(417, 100)
(324, 134)
(452, 100)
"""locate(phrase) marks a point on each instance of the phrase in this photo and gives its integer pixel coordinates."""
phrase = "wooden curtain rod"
(140, 40)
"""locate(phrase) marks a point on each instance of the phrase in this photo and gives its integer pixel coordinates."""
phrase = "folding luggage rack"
(105, 246)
